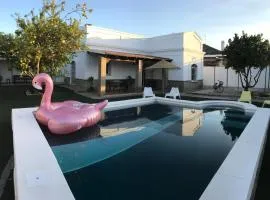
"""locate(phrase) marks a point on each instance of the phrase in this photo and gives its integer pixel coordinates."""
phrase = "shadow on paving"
(9, 189)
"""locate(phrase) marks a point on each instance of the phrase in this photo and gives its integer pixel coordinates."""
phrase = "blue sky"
(214, 20)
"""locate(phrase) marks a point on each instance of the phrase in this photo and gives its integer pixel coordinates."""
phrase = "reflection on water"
(234, 122)
(142, 154)
(191, 121)
(144, 148)
(110, 131)
(84, 134)
(186, 122)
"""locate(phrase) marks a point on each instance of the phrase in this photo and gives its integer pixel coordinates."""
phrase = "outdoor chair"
(245, 97)
(174, 93)
(266, 102)
(148, 92)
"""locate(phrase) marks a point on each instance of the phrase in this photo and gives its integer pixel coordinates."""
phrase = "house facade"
(117, 56)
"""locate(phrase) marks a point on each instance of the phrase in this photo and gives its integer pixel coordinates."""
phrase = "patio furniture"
(164, 66)
(21, 79)
(266, 102)
(148, 92)
(245, 97)
(174, 93)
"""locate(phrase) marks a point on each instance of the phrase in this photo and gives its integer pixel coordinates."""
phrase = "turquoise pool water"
(152, 152)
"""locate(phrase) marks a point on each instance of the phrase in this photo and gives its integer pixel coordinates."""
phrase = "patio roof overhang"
(127, 56)
(163, 64)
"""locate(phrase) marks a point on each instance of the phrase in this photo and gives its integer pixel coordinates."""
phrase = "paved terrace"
(229, 93)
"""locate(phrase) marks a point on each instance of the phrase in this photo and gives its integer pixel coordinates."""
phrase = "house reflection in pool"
(191, 121)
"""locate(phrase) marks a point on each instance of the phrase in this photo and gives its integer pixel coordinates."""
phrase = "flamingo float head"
(41, 79)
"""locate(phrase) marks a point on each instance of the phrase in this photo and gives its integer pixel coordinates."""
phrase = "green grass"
(14, 97)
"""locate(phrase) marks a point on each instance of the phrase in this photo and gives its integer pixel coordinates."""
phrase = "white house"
(113, 56)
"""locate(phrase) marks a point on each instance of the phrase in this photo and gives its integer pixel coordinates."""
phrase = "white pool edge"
(33, 156)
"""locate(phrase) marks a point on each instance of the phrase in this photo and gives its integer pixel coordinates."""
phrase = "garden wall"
(230, 78)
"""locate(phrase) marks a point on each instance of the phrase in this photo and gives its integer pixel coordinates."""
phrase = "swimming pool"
(149, 152)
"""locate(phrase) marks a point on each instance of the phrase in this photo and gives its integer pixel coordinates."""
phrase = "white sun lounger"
(174, 93)
(148, 92)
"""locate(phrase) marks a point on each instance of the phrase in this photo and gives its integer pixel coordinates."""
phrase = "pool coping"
(45, 180)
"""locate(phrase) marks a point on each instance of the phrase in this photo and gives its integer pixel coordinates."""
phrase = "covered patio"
(164, 66)
(110, 85)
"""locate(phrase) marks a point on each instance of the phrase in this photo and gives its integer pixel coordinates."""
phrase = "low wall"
(186, 86)
(230, 77)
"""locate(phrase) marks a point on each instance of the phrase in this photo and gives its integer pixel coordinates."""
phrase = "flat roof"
(127, 55)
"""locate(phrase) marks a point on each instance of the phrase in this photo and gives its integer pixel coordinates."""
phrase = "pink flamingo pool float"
(64, 117)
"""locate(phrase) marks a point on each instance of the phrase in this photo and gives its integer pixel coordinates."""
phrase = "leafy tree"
(248, 55)
(7, 47)
(46, 41)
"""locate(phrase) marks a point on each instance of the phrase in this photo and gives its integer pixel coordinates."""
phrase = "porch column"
(139, 75)
(102, 75)
(164, 79)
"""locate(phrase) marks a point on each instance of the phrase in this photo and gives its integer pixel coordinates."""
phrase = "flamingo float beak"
(37, 86)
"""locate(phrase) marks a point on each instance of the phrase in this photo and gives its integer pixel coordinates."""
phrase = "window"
(194, 69)
(109, 69)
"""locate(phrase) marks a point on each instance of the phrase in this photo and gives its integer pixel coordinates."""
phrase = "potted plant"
(130, 82)
(91, 84)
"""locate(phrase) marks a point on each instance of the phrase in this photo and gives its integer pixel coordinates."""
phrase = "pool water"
(152, 152)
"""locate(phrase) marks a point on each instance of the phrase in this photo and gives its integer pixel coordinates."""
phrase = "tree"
(7, 47)
(46, 41)
(248, 55)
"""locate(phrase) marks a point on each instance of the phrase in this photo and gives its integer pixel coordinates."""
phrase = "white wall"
(208, 73)
(87, 65)
(104, 33)
(192, 54)
(168, 46)
(184, 49)
(221, 74)
(5, 72)
(121, 70)
(192, 41)
(127, 45)
(164, 43)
